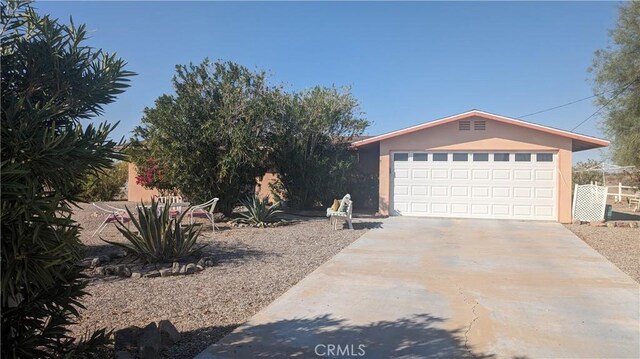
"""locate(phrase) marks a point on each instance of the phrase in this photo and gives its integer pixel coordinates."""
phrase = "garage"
(498, 185)
(475, 165)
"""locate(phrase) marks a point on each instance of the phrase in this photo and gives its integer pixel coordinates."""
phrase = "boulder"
(136, 275)
(634, 224)
(104, 258)
(95, 262)
(175, 267)
(127, 338)
(166, 272)
(210, 262)
(100, 271)
(152, 274)
(124, 271)
(149, 342)
(611, 224)
(201, 262)
(199, 267)
(183, 269)
(191, 268)
(169, 335)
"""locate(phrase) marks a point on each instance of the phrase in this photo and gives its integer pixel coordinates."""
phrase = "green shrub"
(106, 185)
(259, 212)
(53, 84)
(158, 237)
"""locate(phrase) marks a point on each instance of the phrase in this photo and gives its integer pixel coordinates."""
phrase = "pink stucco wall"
(498, 136)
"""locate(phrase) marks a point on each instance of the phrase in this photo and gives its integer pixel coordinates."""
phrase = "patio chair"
(204, 210)
(344, 211)
(112, 215)
(634, 202)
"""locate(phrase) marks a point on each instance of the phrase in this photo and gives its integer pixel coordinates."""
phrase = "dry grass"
(255, 266)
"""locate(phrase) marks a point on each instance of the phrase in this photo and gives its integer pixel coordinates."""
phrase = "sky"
(407, 63)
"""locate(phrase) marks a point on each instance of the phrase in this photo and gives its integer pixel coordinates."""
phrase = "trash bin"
(608, 212)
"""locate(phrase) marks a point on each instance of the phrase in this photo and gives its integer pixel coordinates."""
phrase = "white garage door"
(475, 184)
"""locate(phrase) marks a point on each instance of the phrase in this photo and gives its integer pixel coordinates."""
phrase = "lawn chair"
(344, 211)
(173, 211)
(204, 210)
(112, 215)
(634, 202)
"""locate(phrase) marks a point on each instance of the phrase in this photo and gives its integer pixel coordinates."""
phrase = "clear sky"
(407, 63)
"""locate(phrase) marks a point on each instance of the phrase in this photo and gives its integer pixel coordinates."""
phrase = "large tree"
(208, 139)
(617, 85)
(52, 83)
(310, 145)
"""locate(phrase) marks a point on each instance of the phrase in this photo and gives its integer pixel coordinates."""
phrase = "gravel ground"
(255, 266)
(618, 244)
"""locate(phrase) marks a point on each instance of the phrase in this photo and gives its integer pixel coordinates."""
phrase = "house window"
(420, 157)
(479, 125)
(401, 157)
(544, 157)
(464, 125)
(501, 157)
(523, 157)
(480, 157)
(460, 157)
(440, 157)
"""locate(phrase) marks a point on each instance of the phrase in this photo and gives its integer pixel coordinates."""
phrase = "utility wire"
(607, 103)
(556, 107)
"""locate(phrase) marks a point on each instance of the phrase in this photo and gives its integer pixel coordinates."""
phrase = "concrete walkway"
(449, 288)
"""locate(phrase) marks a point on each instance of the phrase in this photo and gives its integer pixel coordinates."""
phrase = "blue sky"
(407, 63)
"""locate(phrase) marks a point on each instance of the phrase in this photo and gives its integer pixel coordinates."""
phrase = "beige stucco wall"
(498, 136)
(136, 192)
(262, 188)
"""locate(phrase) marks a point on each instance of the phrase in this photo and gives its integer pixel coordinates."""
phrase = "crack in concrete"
(475, 318)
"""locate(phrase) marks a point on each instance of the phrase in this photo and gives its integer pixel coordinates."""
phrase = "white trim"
(479, 113)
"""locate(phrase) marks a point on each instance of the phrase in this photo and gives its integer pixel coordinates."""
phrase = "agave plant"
(259, 212)
(158, 237)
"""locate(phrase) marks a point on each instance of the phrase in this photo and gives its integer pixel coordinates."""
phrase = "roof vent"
(464, 125)
(479, 125)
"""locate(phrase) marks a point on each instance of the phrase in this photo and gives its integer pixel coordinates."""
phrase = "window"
(464, 125)
(479, 125)
(401, 157)
(501, 157)
(544, 157)
(523, 157)
(480, 157)
(460, 157)
(420, 157)
(440, 157)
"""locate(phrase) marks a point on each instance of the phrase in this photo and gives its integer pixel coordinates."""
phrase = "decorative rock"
(120, 254)
(124, 271)
(191, 268)
(183, 269)
(127, 338)
(611, 224)
(199, 267)
(598, 224)
(136, 275)
(111, 270)
(634, 224)
(100, 271)
(95, 262)
(169, 335)
(176, 267)
(201, 262)
(149, 342)
(166, 272)
(104, 258)
(152, 274)
(210, 263)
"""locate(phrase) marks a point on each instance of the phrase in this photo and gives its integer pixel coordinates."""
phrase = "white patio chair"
(112, 215)
(204, 210)
(345, 211)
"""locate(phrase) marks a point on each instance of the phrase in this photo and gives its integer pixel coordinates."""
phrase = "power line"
(607, 103)
(563, 105)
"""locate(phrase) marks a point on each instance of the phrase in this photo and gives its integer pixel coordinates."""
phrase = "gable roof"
(579, 142)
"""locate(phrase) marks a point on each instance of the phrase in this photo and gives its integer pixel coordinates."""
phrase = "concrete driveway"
(451, 288)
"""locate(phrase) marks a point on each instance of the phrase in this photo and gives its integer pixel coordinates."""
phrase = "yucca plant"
(259, 212)
(158, 237)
